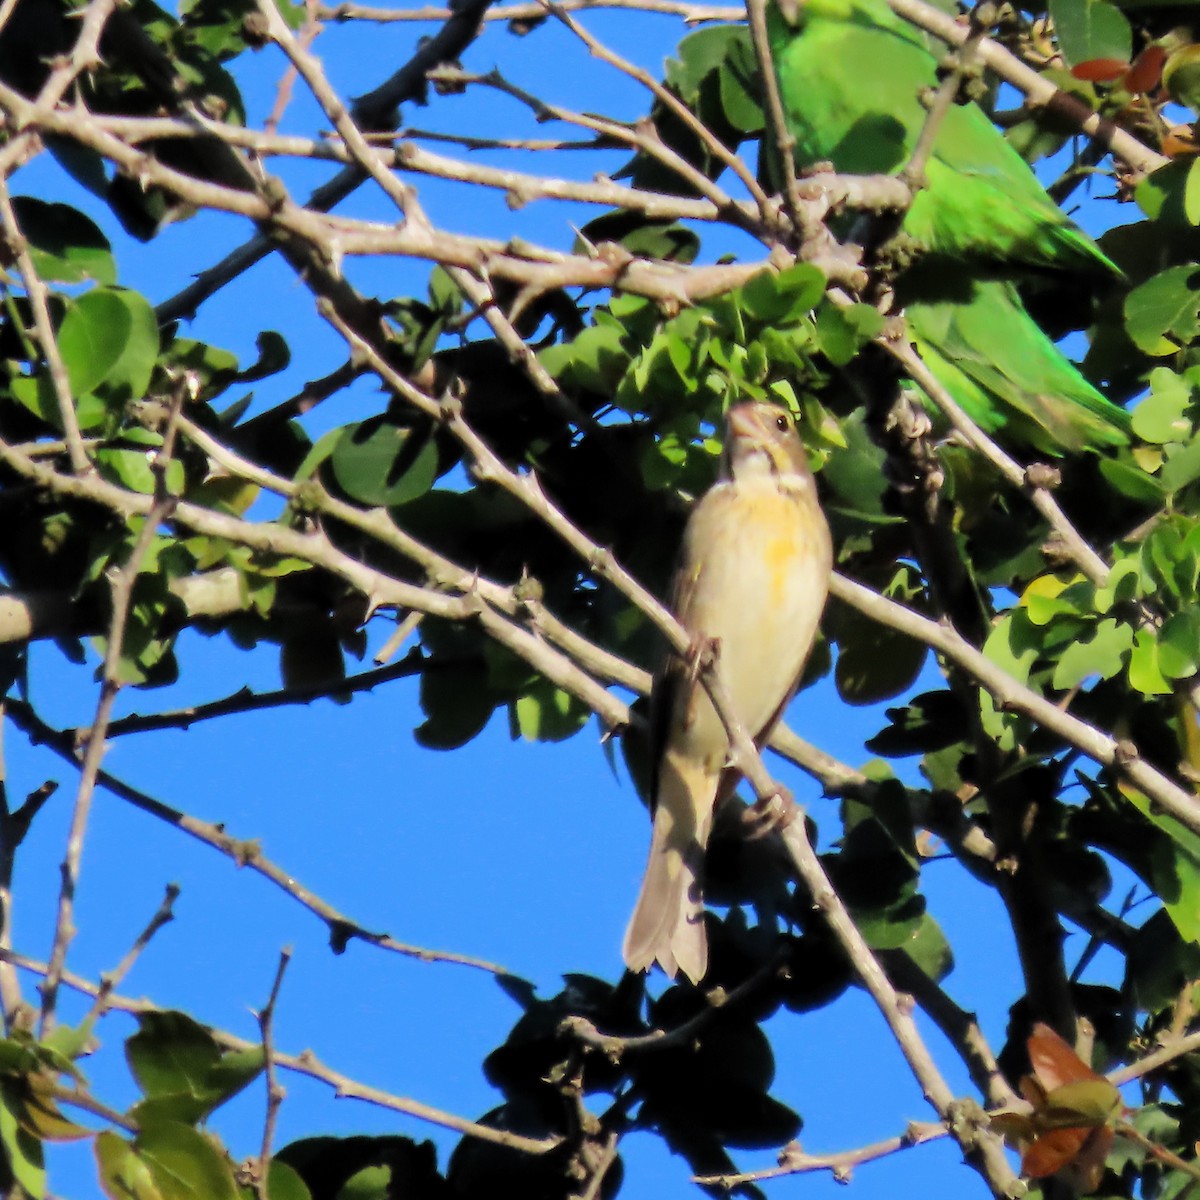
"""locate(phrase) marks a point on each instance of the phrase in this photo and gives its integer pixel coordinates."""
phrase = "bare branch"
(121, 583)
(275, 1093)
(794, 1160)
(111, 980)
(692, 14)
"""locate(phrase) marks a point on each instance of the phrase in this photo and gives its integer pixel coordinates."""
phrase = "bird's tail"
(668, 923)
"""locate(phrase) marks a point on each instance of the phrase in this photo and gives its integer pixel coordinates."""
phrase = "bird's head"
(761, 440)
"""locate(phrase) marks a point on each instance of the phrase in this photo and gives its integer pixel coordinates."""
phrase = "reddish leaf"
(1049, 1152)
(1053, 1061)
(1146, 72)
(1100, 70)
(1088, 1168)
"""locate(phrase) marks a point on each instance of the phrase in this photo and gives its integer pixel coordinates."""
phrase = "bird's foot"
(767, 816)
(701, 654)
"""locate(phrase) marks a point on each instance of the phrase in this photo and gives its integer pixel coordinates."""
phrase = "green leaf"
(181, 1069)
(1162, 416)
(1164, 312)
(1012, 645)
(457, 703)
(109, 341)
(594, 361)
(1191, 193)
(123, 1175)
(546, 713)
(741, 96)
(893, 928)
(1177, 876)
(1179, 644)
(874, 663)
(23, 1151)
(273, 357)
(132, 468)
(1160, 195)
(371, 1183)
(1131, 481)
(65, 245)
(311, 655)
(842, 332)
(184, 1164)
(928, 948)
(780, 299)
(1092, 1101)
(1091, 29)
(1144, 672)
(1182, 466)
(1102, 654)
(33, 1103)
(378, 463)
(284, 1183)
(81, 163)
(1181, 77)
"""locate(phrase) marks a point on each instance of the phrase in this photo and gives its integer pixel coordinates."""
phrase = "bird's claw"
(766, 816)
(701, 654)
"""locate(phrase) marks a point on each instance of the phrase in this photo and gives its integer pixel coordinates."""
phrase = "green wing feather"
(851, 76)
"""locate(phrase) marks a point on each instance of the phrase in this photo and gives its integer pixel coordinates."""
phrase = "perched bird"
(752, 577)
(851, 76)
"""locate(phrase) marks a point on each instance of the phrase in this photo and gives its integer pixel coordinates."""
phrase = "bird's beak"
(789, 10)
(744, 426)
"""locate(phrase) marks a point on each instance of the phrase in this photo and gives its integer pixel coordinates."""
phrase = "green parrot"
(851, 75)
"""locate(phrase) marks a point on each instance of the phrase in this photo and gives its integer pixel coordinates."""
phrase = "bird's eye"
(782, 423)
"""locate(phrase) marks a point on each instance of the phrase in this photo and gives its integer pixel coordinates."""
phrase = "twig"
(111, 980)
(692, 14)
(245, 853)
(1132, 1133)
(793, 1160)
(1167, 1053)
(615, 1047)
(309, 68)
(307, 1064)
(641, 136)
(245, 700)
(943, 99)
(43, 324)
(785, 142)
(121, 584)
(672, 103)
(287, 82)
(12, 831)
(404, 630)
(275, 1093)
(959, 1027)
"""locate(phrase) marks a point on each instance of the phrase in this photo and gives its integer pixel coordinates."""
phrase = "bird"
(852, 75)
(751, 578)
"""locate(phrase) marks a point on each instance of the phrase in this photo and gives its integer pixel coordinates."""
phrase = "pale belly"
(758, 590)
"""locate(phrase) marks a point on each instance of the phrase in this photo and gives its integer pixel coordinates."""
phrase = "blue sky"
(526, 855)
